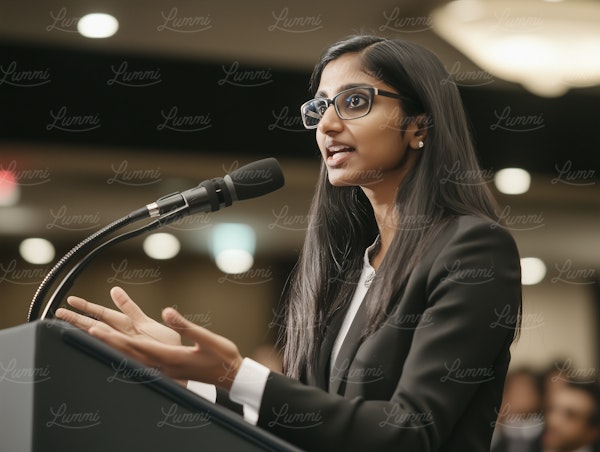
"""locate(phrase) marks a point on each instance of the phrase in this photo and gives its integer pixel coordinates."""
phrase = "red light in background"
(9, 188)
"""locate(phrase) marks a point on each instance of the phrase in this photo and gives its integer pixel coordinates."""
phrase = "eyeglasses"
(351, 103)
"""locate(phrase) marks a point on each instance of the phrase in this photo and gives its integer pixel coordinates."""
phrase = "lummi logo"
(569, 176)
(13, 373)
(399, 417)
(520, 222)
(172, 120)
(62, 22)
(124, 274)
(128, 374)
(458, 176)
(139, 78)
(570, 275)
(509, 319)
(289, 222)
(26, 177)
(175, 417)
(64, 121)
(467, 375)
(286, 122)
(397, 22)
(461, 77)
(251, 277)
(173, 21)
(569, 373)
(295, 24)
(134, 177)
(22, 276)
(23, 78)
(506, 120)
(460, 274)
(76, 420)
(62, 219)
(247, 78)
(283, 417)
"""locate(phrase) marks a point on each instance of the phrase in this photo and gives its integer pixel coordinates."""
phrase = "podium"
(62, 389)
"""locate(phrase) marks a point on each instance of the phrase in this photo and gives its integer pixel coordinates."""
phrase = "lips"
(338, 153)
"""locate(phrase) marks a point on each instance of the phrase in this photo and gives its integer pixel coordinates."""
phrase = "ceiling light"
(533, 270)
(97, 25)
(547, 47)
(512, 181)
(233, 247)
(37, 251)
(161, 246)
(234, 261)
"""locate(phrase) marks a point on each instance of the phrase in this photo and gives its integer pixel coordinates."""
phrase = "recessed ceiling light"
(233, 246)
(37, 251)
(512, 181)
(97, 25)
(234, 261)
(533, 270)
(161, 246)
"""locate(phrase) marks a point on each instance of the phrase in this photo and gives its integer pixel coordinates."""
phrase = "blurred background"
(183, 91)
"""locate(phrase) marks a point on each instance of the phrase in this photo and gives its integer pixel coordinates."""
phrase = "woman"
(394, 338)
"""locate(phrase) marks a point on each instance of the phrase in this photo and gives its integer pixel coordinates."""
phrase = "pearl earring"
(421, 144)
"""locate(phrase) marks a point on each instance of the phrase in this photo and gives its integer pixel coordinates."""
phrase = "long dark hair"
(342, 224)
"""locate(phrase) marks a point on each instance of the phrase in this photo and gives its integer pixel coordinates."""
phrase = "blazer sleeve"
(224, 400)
(447, 364)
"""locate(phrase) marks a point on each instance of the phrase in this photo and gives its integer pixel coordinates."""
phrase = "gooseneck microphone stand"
(252, 180)
(65, 285)
(74, 253)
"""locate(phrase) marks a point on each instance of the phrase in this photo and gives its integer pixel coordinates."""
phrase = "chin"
(345, 177)
(341, 182)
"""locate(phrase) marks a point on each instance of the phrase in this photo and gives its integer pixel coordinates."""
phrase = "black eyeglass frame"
(328, 102)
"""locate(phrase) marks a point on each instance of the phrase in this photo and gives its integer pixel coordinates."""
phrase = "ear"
(418, 131)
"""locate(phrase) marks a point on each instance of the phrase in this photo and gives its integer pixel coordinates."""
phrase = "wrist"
(231, 370)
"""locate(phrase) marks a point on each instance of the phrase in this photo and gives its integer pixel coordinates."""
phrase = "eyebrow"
(342, 88)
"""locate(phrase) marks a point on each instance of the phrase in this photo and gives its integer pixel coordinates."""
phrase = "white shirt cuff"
(209, 392)
(248, 388)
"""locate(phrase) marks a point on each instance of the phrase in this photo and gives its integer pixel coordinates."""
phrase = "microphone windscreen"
(257, 178)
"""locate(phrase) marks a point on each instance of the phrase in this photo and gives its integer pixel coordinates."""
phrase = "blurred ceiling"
(187, 88)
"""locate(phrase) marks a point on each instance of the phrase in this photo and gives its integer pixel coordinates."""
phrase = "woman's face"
(366, 151)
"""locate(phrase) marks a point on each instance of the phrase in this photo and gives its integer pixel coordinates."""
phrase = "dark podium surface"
(61, 389)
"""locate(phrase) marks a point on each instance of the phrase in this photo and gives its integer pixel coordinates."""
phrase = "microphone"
(250, 181)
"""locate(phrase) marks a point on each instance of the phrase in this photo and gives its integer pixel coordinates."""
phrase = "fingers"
(152, 354)
(126, 304)
(111, 317)
(80, 321)
(116, 340)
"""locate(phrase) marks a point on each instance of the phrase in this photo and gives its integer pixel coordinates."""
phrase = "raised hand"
(212, 359)
(131, 320)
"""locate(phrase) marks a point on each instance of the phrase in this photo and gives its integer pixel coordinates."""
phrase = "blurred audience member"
(555, 377)
(520, 419)
(573, 418)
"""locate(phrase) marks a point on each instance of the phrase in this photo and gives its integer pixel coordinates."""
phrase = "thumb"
(188, 329)
(198, 334)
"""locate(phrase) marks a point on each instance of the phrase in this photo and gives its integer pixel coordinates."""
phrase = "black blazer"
(431, 377)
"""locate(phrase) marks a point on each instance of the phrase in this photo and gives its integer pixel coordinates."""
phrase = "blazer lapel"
(347, 352)
(322, 368)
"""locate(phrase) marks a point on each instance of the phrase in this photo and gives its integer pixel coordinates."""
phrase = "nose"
(330, 121)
